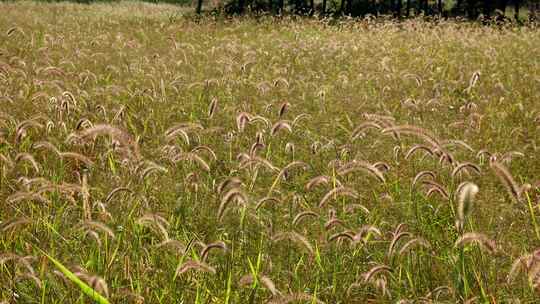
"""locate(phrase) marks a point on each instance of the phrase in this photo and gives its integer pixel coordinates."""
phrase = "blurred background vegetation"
(521, 10)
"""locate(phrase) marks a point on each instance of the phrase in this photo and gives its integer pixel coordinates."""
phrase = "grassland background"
(144, 68)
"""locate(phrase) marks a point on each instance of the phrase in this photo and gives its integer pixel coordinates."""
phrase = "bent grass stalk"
(533, 216)
(89, 291)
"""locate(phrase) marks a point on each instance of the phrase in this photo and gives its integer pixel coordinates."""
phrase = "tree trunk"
(298, 6)
(241, 4)
(398, 9)
(349, 7)
(534, 9)
(487, 8)
(516, 9)
(199, 7)
(503, 5)
(280, 7)
(458, 6)
(470, 9)
(311, 7)
(408, 8)
(440, 7)
(323, 7)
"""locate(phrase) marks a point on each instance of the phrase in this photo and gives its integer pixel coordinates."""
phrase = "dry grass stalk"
(421, 175)
(280, 125)
(14, 223)
(85, 193)
(115, 133)
(395, 239)
(233, 195)
(339, 191)
(194, 265)
(424, 134)
(260, 119)
(294, 298)
(27, 196)
(414, 243)
(466, 196)
(530, 265)
(152, 168)
(351, 208)
(507, 180)
(241, 120)
(28, 158)
(115, 191)
(359, 130)
(478, 238)
(206, 250)
(374, 271)
(355, 165)
(257, 160)
(193, 157)
(457, 170)
(172, 243)
(302, 215)
(365, 231)
(205, 149)
(47, 146)
(457, 143)
(267, 199)
(212, 107)
(156, 223)
(23, 126)
(298, 118)
(182, 130)
(434, 187)
(231, 182)
(95, 225)
(296, 238)
(248, 279)
(341, 235)
(382, 166)
(333, 222)
(295, 164)
(316, 181)
(283, 109)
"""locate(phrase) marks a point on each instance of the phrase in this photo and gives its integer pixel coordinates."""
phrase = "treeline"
(472, 9)
(398, 8)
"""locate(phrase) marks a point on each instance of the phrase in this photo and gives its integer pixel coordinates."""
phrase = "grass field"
(164, 159)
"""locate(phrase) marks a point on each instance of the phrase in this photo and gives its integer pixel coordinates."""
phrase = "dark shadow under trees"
(471, 9)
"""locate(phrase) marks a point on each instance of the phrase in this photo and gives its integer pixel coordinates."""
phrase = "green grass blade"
(89, 291)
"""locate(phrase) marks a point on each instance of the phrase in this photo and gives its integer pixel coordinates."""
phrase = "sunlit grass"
(164, 158)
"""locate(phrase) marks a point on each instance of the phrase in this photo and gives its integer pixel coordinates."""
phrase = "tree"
(487, 8)
(408, 8)
(457, 8)
(280, 7)
(502, 5)
(199, 7)
(348, 9)
(471, 9)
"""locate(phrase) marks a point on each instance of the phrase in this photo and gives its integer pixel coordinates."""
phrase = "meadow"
(151, 157)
